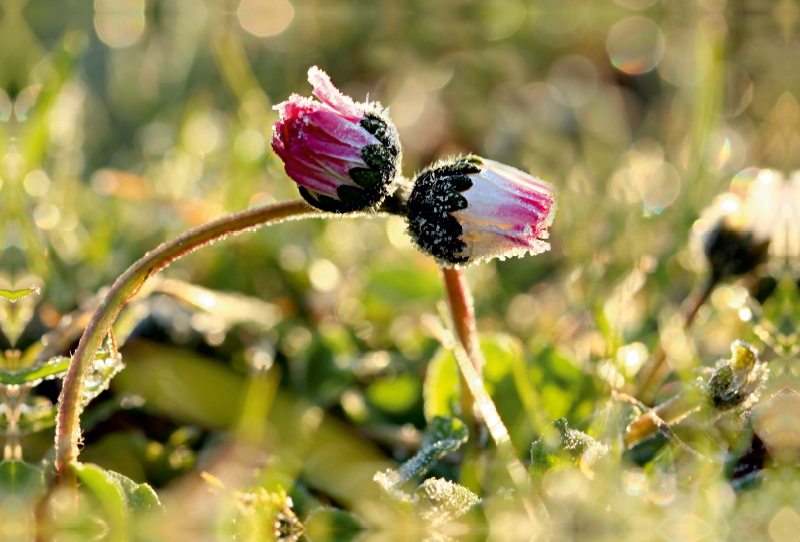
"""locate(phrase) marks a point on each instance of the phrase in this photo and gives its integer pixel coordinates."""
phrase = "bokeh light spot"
(635, 4)
(46, 216)
(659, 184)
(324, 275)
(119, 23)
(725, 151)
(502, 18)
(574, 79)
(679, 63)
(785, 526)
(408, 104)
(635, 45)
(202, 133)
(265, 17)
(36, 183)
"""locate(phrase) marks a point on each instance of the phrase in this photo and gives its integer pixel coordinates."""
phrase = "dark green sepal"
(385, 132)
(369, 179)
(351, 199)
(438, 193)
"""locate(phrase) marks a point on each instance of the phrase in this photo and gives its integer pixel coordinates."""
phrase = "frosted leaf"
(104, 367)
(436, 500)
(579, 447)
(440, 501)
(445, 434)
(388, 481)
(35, 375)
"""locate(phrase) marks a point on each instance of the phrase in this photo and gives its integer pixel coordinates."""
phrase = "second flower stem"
(125, 287)
(459, 300)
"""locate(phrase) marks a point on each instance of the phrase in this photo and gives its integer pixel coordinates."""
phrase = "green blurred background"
(126, 122)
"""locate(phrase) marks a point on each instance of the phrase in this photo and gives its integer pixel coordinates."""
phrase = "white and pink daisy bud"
(465, 210)
(344, 156)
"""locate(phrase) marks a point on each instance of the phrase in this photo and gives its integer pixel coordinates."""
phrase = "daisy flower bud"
(344, 156)
(741, 228)
(465, 210)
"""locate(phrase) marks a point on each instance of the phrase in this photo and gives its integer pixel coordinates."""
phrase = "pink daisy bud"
(470, 209)
(344, 156)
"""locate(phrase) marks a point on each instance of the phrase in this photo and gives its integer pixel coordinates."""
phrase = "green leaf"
(138, 497)
(441, 388)
(436, 500)
(440, 501)
(101, 371)
(395, 396)
(37, 418)
(109, 495)
(266, 516)
(119, 496)
(16, 295)
(504, 357)
(21, 480)
(445, 434)
(52, 368)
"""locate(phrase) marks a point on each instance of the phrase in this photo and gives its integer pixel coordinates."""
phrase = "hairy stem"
(459, 299)
(125, 287)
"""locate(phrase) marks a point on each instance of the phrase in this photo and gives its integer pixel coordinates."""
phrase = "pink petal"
(297, 106)
(341, 129)
(517, 177)
(312, 180)
(492, 203)
(335, 150)
(323, 165)
(329, 94)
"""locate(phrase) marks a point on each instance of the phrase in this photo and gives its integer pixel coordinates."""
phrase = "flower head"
(344, 156)
(469, 209)
(741, 228)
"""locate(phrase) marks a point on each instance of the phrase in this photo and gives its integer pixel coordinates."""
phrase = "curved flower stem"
(125, 287)
(459, 299)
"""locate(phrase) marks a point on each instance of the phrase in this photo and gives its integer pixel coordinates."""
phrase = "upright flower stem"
(473, 394)
(459, 299)
(650, 376)
(125, 287)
